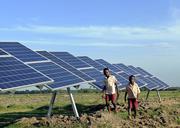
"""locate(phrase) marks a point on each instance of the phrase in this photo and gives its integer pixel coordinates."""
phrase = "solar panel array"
(127, 69)
(15, 74)
(70, 59)
(2, 53)
(62, 78)
(66, 66)
(21, 52)
(145, 76)
(82, 66)
(100, 67)
(121, 72)
(22, 67)
(43, 65)
(155, 80)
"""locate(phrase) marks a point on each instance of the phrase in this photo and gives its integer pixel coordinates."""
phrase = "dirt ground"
(151, 114)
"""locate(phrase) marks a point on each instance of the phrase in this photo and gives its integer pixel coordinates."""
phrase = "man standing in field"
(110, 90)
(133, 92)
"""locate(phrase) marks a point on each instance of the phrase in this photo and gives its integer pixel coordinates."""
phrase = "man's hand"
(125, 96)
(137, 100)
(103, 96)
(124, 99)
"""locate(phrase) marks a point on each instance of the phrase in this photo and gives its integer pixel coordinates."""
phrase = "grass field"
(29, 110)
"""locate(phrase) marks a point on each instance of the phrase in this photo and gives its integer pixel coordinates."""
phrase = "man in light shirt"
(110, 90)
(133, 91)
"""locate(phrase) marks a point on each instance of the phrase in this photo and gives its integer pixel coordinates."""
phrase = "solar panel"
(110, 66)
(15, 74)
(98, 66)
(140, 82)
(150, 84)
(66, 66)
(145, 72)
(3, 53)
(92, 62)
(70, 59)
(43, 65)
(121, 73)
(84, 67)
(99, 84)
(62, 78)
(127, 69)
(21, 52)
(164, 85)
(137, 70)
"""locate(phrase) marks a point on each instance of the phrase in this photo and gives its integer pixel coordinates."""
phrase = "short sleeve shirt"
(110, 84)
(132, 90)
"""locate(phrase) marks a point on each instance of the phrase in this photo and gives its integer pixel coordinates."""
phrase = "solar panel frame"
(21, 79)
(67, 66)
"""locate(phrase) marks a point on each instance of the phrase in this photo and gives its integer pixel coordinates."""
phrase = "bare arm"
(116, 83)
(138, 93)
(116, 88)
(104, 91)
(125, 96)
(138, 96)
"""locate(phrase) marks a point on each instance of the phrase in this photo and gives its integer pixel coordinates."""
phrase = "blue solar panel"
(72, 60)
(136, 70)
(62, 78)
(150, 84)
(140, 82)
(127, 69)
(21, 52)
(92, 63)
(89, 70)
(96, 75)
(163, 84)
(123, 74)
(15, 74)
(145, 72)
(122, 81)
(3, 53)
(160, 85)
(66, 66)
(110, 66)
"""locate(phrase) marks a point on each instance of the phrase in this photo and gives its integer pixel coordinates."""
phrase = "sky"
(143, 33)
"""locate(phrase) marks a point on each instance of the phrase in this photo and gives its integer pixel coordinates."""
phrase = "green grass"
(13, 107)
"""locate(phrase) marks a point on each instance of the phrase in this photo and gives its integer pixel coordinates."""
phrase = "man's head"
(106, 72)
(132, 79)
